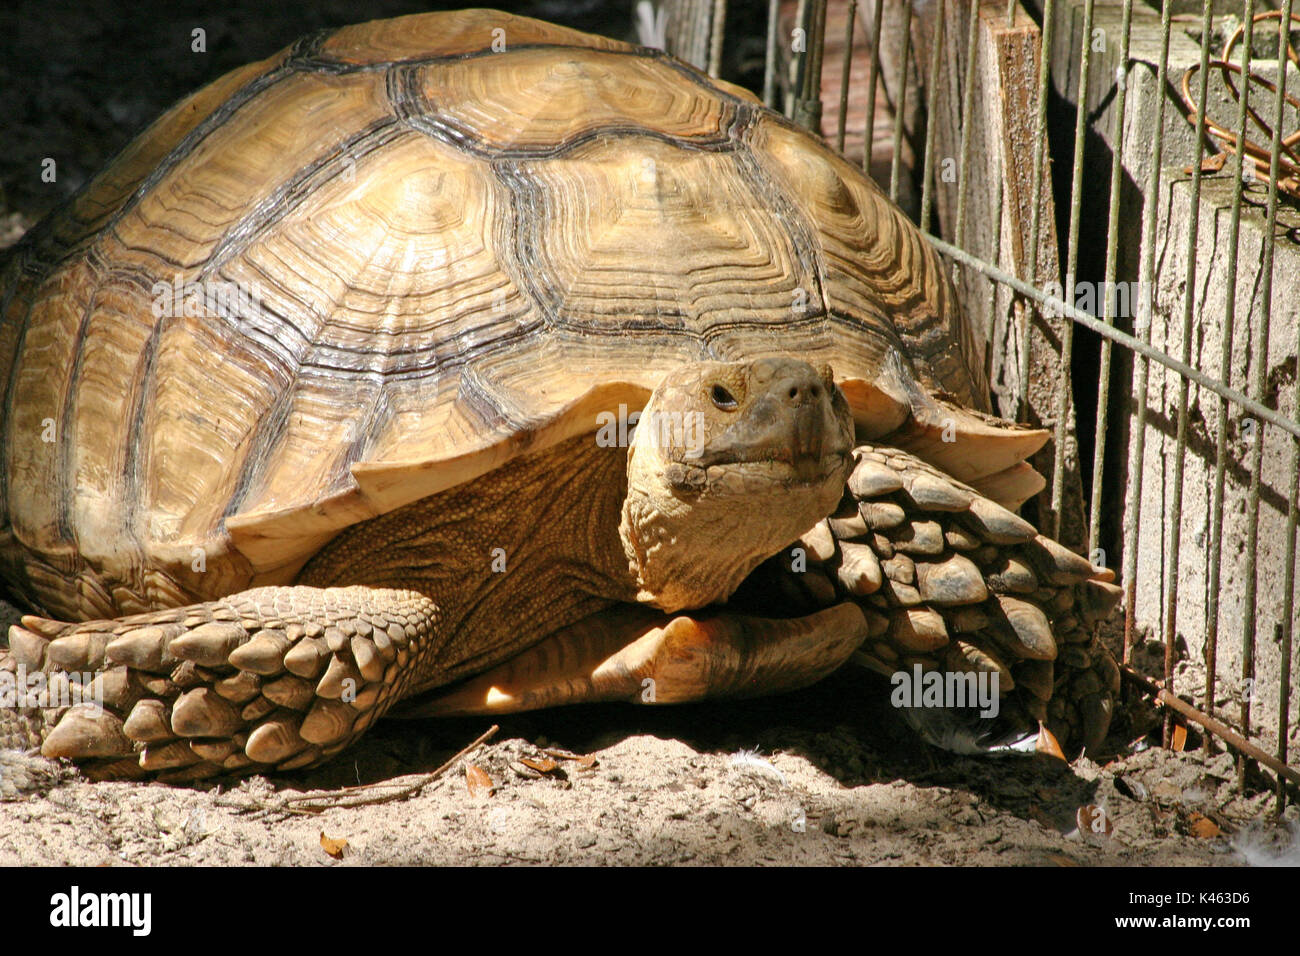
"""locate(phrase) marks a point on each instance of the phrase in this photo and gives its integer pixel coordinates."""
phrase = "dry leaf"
(334, 847)
(1047, 743)
(540, 764)
(1094, 819)
(1178, 739)
(1061, 860)
(1202, 827)
(477, 781)
(587, 763)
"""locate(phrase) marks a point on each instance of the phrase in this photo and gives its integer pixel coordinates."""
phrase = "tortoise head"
(730, 462)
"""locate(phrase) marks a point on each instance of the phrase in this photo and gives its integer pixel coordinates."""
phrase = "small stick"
(320, 800)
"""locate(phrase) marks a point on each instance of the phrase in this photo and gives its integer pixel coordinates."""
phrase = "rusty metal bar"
(808, 97)
(846, 70)
(932, 104)
(967, 125)
(800, 60)
(873, 86)
(1071, 269)
(1219, 729)
(1261, 379)
(900, 103)
(1225, 373)
(1108, 287)
(769, 64)
(1146, 276)
(1184, 386)
(812, 96)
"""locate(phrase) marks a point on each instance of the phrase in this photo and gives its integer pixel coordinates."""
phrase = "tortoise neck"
(509, 557)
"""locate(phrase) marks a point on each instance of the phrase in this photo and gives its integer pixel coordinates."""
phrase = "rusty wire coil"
(1258, 156)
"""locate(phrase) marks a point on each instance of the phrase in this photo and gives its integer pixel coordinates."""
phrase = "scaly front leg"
(273, 678)
(950, 580)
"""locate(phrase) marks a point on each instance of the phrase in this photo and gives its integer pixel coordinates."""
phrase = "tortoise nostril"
(801, 393)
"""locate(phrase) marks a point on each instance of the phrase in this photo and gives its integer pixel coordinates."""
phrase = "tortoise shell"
(390, 258)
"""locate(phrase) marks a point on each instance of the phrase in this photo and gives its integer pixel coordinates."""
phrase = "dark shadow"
(845, 726)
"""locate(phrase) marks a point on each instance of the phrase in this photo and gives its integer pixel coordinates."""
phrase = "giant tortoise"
(461, 363)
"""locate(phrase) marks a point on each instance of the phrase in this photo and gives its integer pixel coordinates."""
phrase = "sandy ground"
(825, 776)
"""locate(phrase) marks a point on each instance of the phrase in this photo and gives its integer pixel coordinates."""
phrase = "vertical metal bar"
(931, 107)
(817, 48)
(716, 34)
(1184, 385)
(800, 60)
(1146, 274)
(1293, 506)
(873, 85)
(900, 102)
(846, 69)
(1260, 365)
(1286, 624)
(1112, 265)
(1071, 268)
(808, 102)
(1225, 374)
(769, 65)
(1035, 219)
(967, 123)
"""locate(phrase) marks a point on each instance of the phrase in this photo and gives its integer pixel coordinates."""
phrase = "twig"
(317, 801)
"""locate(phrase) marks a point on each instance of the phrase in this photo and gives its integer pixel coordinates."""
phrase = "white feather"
(750, 760)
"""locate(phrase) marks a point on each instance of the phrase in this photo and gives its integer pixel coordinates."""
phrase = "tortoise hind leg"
(267, 679)
(646, 657)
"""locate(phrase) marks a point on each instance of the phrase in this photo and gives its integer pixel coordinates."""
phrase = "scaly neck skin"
(510, 557)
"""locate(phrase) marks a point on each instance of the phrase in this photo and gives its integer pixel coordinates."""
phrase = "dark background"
(79, 80)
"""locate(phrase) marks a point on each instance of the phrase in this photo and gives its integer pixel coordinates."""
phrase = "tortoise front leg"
(646, 657)
(271, 678)
(951, 580)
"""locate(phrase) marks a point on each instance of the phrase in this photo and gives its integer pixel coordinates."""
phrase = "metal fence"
(1261, 105)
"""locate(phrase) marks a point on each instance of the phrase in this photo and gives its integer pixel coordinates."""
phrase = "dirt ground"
(826, 776)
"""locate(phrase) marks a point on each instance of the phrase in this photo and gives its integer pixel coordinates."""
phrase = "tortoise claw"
(87, 731)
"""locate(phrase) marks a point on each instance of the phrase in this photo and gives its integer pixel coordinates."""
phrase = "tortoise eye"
(723, 398)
